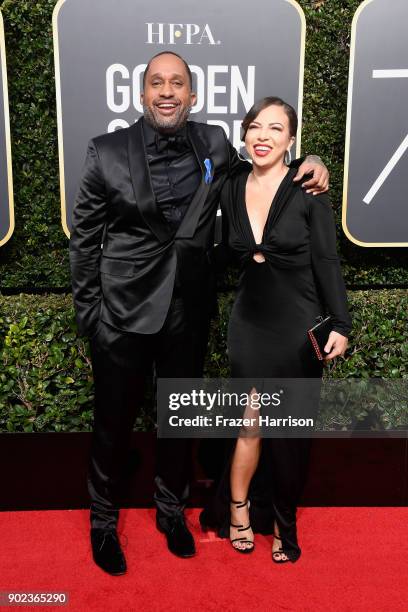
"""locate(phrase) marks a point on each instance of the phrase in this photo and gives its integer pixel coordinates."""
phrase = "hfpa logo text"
(186, 33)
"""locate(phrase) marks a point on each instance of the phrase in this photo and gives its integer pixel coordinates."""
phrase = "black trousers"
(120, 363)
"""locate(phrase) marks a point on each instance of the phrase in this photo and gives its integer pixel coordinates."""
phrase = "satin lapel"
(190, 220)
(142, 187)
(282, 197)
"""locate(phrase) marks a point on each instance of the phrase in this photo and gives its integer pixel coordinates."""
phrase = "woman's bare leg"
(244, 463)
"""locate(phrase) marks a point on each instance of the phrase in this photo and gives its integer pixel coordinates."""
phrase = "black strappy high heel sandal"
(242, 528)
(279, 552)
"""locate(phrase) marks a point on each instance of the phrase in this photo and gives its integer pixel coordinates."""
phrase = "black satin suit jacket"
(128, 282)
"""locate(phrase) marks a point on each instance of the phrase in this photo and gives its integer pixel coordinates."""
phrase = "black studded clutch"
(319, 334)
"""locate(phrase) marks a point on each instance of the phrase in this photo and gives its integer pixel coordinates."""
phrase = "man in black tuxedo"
(143, 224)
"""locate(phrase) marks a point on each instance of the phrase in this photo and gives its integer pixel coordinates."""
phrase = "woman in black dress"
(284, 240)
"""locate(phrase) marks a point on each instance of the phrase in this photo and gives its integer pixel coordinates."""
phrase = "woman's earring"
(288, 157)
(241, 157)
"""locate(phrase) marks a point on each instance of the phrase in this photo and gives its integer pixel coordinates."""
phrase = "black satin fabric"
(129, 282)
(124, 255)
(120, 364)
(276, 302)
(174, 172)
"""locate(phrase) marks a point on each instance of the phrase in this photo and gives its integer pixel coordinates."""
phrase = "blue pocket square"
(208, 175)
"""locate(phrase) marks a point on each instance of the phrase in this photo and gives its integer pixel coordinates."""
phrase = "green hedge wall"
(45, 373)
(36, 255)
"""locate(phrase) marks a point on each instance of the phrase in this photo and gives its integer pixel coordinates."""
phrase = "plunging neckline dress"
(276, 302)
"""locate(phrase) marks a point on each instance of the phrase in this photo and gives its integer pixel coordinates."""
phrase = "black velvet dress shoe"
(179, 539)
(107, 552)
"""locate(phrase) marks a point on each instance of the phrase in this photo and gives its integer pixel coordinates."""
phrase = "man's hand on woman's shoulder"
(319, 182)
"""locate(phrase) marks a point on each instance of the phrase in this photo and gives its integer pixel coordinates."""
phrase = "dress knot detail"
(259, 249)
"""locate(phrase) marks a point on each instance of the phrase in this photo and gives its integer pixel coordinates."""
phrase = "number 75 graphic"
(375, 182)
(389, 167)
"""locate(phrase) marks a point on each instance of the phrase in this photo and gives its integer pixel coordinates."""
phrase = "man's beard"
(167, 124)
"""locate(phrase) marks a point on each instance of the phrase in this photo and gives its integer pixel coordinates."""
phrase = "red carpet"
(352, 559)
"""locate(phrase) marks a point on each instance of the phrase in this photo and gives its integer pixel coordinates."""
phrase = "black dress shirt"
(174, 171)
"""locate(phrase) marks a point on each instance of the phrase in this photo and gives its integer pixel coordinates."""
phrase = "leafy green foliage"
(45, 371)
(378, 344)
(46, 379)
(378, 349)
(45, 376)
(324, 129)
(36, 255)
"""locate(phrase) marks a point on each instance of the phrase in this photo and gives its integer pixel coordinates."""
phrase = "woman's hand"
(336, 345)
(319, 183)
